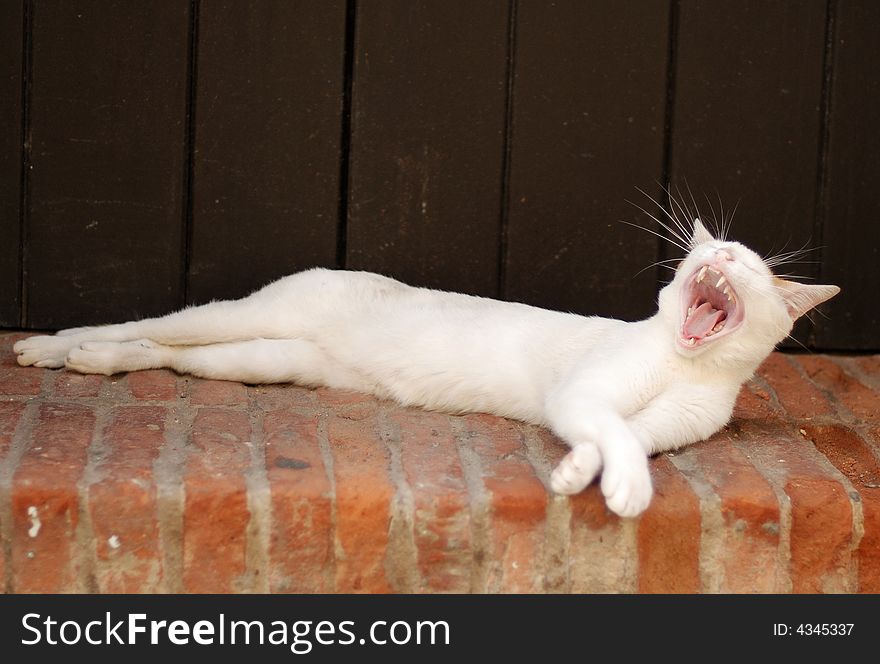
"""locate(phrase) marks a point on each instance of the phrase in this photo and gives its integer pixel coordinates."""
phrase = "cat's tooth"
(718, 327)
(702, 274)
(721, 281)
(691, 341)
(690, 311)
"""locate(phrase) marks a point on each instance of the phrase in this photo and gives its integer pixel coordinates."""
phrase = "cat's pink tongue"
(701, 322)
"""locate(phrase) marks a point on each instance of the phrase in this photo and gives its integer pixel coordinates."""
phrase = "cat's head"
(725, 301)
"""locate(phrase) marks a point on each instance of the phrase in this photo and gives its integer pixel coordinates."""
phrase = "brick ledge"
(154, 482)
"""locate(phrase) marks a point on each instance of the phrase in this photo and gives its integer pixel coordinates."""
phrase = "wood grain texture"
(588, 118)
(11, 108)
(267, 143)
(746, 124)
(108, 129)
(428, 115)
(851, 239)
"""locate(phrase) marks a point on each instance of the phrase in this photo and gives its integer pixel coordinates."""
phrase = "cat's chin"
(710, 307)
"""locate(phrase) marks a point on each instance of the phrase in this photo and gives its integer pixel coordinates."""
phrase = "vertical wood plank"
(427, 152)
(11, 58)
(851, 239)
(267, 143)
(747, 116)
(108, 108)
(588, 128)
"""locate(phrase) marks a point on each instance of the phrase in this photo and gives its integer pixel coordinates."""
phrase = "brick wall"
(154, 482)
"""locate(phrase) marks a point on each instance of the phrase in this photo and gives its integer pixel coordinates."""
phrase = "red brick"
(216, 514)
(328, 396)
(669, 534)
(351, 405)
(588, 508)
(595, 533)
(847, 451)
(821, 534)
(20, 380)
(861, 400)
(869, 546)
(870, 365)
(275, 397)
(855, 459)
(45, 501)
(11, 413)
(153, 385)
(122, 504)
(517, 504)
(301, 548)
(217, 393)
(441, 519)
(754, 403)
(13, 378)
(72, 385)
(361, 467)
(749, 555)
(799, 398)
(821, 516)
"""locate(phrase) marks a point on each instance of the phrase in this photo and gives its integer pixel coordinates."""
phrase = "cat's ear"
(800, 298)
(700, 234)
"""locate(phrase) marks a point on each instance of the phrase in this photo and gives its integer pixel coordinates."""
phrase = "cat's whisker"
(798, 341)
(681, 241)
(783, 256)
(682, 231)
(653, 232)
(682, 205)
(787, 275)
(721, 208)
(661, 263)
(688, 223)
(718, 226)
(791, 256)
(693, 200)
(732, 215)
(684, 222)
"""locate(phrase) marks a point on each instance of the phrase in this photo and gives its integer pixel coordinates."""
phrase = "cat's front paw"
(42, 351)
(627, 486)
(576, 470)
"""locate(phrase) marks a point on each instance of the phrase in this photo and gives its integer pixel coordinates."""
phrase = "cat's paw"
(627, 486)
(110, 357)
(576, 470)
(42, 351)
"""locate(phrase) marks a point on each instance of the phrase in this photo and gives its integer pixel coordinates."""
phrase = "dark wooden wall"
(166, 152)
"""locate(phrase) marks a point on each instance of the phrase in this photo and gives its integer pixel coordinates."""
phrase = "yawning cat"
(616, 392)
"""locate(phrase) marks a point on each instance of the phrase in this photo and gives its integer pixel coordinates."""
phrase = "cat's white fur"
(616, 392)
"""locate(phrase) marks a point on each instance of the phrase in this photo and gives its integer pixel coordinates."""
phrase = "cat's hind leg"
(110, 357)
(254, 361)
(293, 307)
(221, 321)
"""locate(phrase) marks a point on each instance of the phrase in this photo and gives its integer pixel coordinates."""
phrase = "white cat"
(616, 392)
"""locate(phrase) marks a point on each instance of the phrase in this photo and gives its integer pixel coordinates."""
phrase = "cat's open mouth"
(710, 307)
